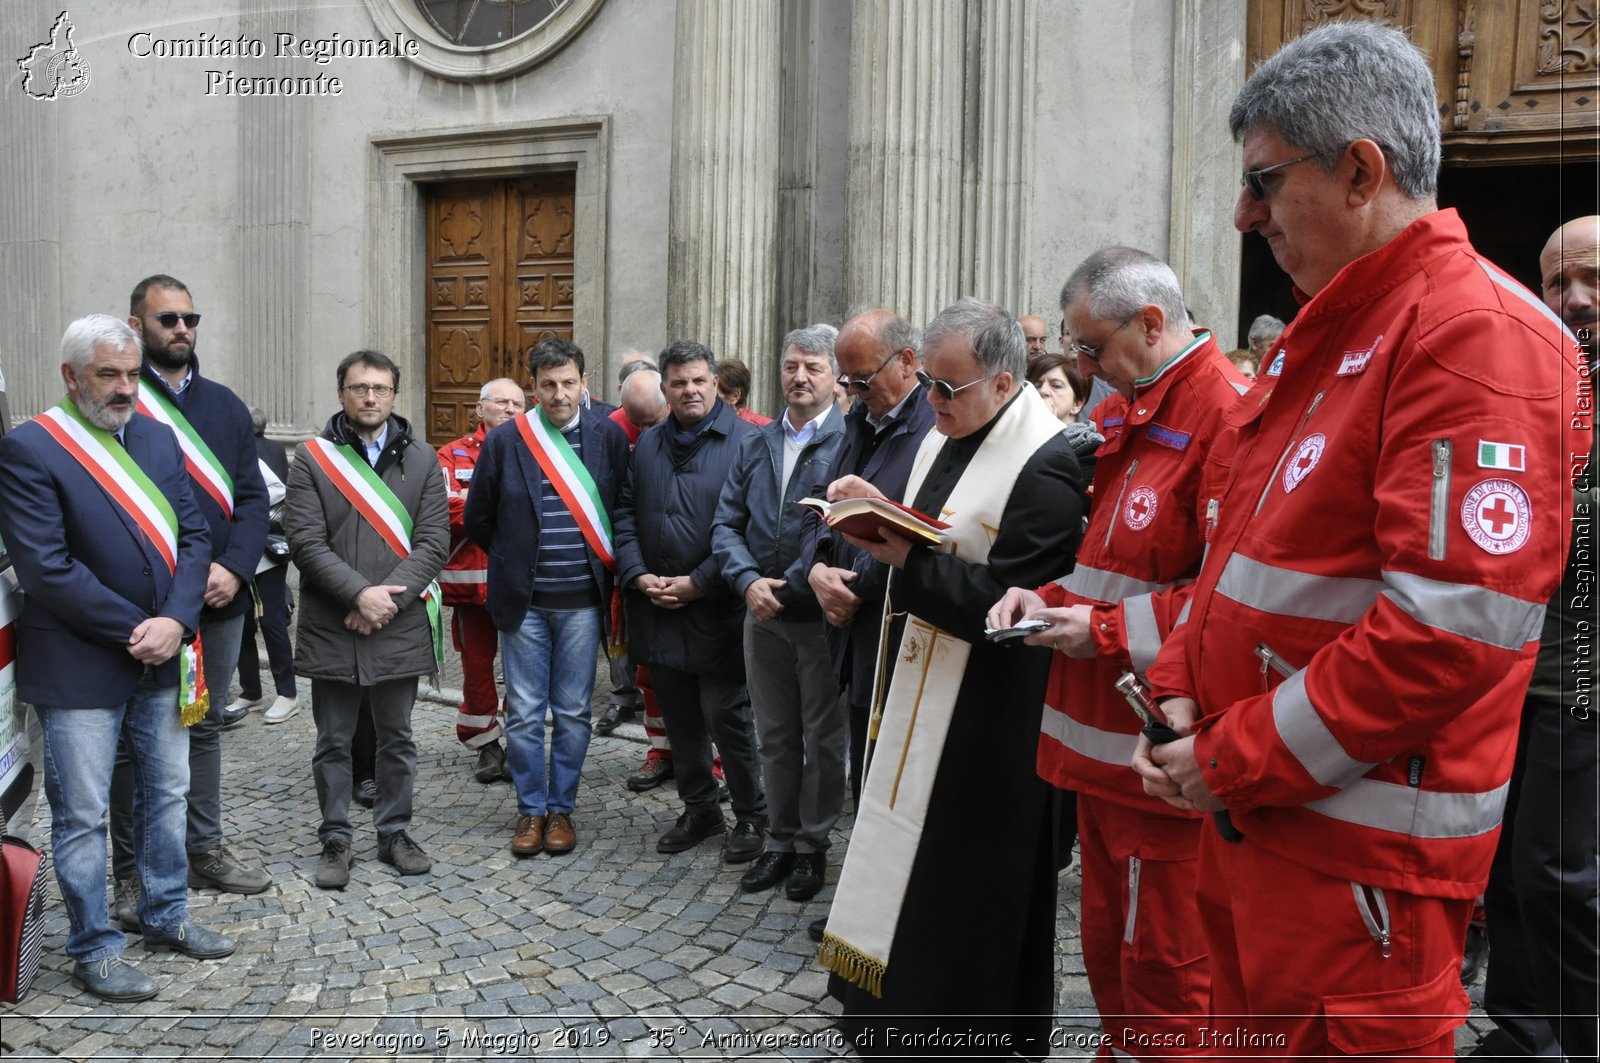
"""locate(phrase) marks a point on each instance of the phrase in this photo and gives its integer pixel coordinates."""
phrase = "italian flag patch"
(1508, 456)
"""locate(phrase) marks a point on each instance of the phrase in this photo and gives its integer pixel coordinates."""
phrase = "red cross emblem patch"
(1140, 508)
(1497, 516)
(1303, 460)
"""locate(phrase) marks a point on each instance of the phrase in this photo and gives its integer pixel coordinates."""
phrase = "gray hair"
(815, 339)
(1264, 327)
(994, 335)
(635, 366)
(84, 335)
(1121, 281)
(483, 392)
(1343, 82)
(258, 419)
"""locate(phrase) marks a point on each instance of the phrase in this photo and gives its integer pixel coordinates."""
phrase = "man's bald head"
(642, 400)
(1034, 331)
(1569, 274)
(883, 348)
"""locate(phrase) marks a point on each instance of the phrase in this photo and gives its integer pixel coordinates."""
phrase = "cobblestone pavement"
(612, 952)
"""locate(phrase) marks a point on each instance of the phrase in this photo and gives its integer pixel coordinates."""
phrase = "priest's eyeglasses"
(946, 390)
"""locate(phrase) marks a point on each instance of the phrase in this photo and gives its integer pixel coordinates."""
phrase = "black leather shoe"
(233, 716)
(113, 979)
(814, 931)
(191, 940)
(651, 774)
(746, 841)
(611, 718)
(769, 869)
(689, 831)
(366, 794)
(805, 881)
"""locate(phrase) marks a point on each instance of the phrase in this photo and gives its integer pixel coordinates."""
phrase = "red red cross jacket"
(465, 576)
(1143, 535)
(1392, 524)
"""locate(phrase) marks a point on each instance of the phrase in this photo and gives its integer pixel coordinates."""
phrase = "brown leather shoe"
(529, 838)
(559, 837)
(651, 774)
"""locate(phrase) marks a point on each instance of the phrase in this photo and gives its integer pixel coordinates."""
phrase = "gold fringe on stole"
(851, 964)
(196, 710)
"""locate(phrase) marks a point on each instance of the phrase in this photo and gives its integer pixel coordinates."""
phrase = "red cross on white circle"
(1497, 516)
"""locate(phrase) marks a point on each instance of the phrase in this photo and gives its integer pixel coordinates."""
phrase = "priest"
(942, 933)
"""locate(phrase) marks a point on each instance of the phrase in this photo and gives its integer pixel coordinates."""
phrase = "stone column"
(721, 259)
(274, 214)
(904, 188)
(1203, 246)
(999, 158)
(31, 321)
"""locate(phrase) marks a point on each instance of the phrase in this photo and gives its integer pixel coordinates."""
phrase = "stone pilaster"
(721, 258)
(274, 215)
(904, 188)
(30, 238)
(1203, 245)
(999, 156)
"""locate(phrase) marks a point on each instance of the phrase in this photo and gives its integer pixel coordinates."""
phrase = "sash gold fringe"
(196, 710)
(853, 965)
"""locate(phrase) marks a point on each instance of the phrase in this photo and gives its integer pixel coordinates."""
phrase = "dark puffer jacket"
(663, 528)
(340, 554)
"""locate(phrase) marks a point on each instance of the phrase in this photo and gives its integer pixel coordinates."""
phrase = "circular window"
(480, 40)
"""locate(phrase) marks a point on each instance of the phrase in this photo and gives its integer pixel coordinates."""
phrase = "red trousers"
(1298, 972)
(477, 721)
(1144, 949)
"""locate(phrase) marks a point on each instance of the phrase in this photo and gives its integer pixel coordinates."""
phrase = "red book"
(865, 518)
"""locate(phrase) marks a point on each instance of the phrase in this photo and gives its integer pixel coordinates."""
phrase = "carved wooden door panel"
(499, 279)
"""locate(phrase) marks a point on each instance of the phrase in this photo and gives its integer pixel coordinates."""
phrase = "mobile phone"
(1023, 627)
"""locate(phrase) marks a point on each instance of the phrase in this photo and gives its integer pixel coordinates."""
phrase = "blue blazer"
(502, 514)
(89, 573)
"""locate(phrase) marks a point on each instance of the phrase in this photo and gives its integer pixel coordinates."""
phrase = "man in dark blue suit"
(112, 553)
(542, 495)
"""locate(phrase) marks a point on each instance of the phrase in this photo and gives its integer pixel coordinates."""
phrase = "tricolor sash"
(915, 717)
(120, 477)
(203, 466)
(361, 486)
(571, 481)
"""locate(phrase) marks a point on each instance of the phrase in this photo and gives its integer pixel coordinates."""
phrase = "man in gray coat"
(368, 527)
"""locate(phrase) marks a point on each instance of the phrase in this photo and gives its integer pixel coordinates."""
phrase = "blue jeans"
(80, 747)
(549, 663)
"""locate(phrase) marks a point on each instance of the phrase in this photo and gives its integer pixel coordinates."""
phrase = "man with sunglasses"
(218, 439)
(946, 904)
(1364, 624)
(878, 353)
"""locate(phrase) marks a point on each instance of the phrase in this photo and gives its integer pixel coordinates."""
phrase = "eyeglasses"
(377, 391)
(861, 384)
(1258, 189)
(1083, 350)
(170, 318)
(518, 403)
(944, 387)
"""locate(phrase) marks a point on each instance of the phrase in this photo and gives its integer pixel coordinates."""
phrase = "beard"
(167, 358)
(110, 413)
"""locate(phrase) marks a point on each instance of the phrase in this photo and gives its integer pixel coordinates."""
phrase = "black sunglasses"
(862, 383)
(944, 387)
(170, 318)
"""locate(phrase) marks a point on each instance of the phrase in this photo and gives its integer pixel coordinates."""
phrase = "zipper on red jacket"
(1374, 909)
(1438, 529)
(1270, 660)
(1111, 525)
(1317, 401)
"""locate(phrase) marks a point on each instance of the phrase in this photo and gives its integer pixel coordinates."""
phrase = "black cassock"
(974, 948)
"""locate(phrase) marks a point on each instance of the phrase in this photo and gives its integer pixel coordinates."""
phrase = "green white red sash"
(571, 480)
(120, 477)
(363, 489)
(204, 468)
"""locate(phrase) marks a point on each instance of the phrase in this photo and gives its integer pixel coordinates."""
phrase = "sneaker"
(281, 709)
(243, 704)
(125, 904)
(529, 837)
(651, 774)
(366, 794)
(113, 979)
(491, 763)
(559, 835)
(690, 830)
(745, 843)
(193, 941)
(333, 869)
(404, 854)
(219, 870)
